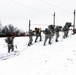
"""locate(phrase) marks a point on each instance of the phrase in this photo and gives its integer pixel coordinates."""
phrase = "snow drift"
(55, 59)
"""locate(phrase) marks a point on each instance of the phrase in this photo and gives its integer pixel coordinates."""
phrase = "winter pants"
(37, 37)
(30, 40)
(46, 38)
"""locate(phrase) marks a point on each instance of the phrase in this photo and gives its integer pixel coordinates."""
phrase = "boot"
(28, 44)
(56, 40)
(49, 42)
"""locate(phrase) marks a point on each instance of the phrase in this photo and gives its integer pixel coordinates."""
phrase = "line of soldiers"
(49, 33)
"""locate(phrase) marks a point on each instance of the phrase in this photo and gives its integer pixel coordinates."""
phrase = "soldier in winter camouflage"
(66, 29)
(48, 35)
(31, 33)
(38, 34)
(52, 29)
(57, 30)
(9, 41)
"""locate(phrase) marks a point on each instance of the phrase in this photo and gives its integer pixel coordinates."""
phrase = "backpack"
(31, 33)
(58, 28)
(65, 28)
(8, 40)
(47, 31)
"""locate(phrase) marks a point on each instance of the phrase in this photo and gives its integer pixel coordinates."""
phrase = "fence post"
(54, 19)
(74, 20)
(29, 24)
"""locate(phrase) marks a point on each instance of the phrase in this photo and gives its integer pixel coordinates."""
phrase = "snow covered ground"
(55, 59)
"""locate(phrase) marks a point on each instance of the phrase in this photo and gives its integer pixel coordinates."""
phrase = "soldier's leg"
(29, 41)
(64, 36)
(45, 39)
(57, 35)
(50, 39)
(52, 35)
(12, 47)
(67, 33)
(40, 37)
(8, 48)
(36, 38)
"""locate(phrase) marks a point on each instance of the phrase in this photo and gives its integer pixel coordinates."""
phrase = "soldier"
(31, 33)
(38, 34)
(66, 29)
(57, 30)
(48, 35)
(9, 41)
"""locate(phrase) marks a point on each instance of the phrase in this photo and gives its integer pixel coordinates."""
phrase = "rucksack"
(47, 31)
(31, 33)
(8, 40)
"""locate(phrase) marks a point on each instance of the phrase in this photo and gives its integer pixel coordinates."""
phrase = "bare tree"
(10, 29)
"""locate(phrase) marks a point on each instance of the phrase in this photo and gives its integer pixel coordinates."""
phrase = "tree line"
(10, 30)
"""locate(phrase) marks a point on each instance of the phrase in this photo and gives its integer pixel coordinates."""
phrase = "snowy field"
(55, 59)
(59, 58)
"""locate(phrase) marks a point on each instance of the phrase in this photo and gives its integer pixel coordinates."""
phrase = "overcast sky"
(19, 12)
